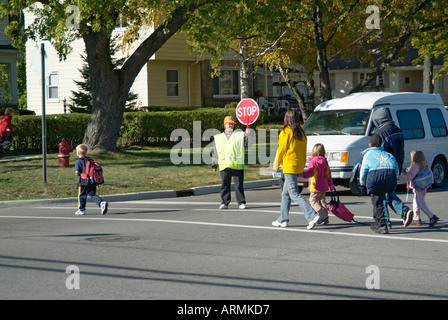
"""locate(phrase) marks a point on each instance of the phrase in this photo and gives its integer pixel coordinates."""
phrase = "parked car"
(344, 126)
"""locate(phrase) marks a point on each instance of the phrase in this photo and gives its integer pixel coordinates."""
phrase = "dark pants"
(238, 178)
(85, 191)
(378, 209)
(6, 141)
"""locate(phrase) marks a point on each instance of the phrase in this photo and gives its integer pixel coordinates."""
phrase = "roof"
(410, 55)
(369, 100)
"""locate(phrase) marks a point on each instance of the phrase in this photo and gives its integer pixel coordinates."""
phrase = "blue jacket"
(379, 171)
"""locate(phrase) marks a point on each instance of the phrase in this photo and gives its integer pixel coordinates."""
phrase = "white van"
(344, 125)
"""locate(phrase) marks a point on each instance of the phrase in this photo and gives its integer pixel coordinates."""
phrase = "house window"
(53, 87)
(172, 83)
(377, 82)
(226, 84)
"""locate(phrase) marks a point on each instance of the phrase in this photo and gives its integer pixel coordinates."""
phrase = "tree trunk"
(311, 92)
(245, 71)
(428, 75)
(322, 60)
(109, 97)
(299, 97)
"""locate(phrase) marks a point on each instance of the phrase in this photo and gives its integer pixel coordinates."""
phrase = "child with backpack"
(89, 175)
(379, 171)
(420, 177)
(6, 138)
(320, 181)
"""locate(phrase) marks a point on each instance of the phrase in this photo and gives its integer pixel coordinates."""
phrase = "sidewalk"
(196, 191)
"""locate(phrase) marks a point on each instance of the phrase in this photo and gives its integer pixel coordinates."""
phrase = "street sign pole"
(44, 121)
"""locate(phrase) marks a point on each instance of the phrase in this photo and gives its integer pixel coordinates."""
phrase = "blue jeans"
(291, 192)
(392, 200)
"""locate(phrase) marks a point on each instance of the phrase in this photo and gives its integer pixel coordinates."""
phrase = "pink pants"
(420, 203)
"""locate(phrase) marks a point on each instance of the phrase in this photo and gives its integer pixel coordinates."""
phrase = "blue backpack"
(422, 180)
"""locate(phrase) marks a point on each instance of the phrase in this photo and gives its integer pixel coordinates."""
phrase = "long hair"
(418, 157)
(318, 150)
(292, 121)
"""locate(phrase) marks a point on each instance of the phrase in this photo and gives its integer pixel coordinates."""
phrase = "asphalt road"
(185, 248)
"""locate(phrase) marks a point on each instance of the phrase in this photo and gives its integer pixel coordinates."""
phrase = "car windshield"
(340, 122)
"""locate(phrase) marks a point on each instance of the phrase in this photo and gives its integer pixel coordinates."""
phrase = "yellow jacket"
(291, 153)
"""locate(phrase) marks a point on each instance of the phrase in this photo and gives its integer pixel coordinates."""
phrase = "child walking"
(320, 181)
(379, 172)
(88, 189)
(418, 164)
(5, 130)
(291, 155)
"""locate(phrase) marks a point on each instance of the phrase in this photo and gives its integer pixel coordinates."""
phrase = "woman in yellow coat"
(291, 155)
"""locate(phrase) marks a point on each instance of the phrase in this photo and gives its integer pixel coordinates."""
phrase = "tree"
(82, 100)
(422, 22)
(97, 19)
(248, 28)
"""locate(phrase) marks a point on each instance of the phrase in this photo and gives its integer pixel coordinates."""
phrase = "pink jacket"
(319, 175)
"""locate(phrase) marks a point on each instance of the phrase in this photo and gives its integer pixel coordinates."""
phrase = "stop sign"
(247, 111)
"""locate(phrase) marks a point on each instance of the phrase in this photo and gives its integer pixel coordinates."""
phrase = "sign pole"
(44, 121)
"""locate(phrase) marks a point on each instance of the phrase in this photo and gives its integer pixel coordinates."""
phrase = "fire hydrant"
(64, 153)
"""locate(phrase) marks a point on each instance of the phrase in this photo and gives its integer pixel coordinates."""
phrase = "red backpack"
(92, 173)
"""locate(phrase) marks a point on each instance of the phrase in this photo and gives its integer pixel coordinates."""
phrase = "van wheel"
(439, 171)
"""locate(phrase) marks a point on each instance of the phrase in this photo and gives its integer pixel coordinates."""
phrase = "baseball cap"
(229, 119)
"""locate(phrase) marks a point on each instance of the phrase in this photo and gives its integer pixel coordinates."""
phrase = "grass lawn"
(137, 169)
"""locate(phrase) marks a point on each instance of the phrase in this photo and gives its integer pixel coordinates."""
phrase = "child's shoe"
(104, 205)
(313, 223)
(80, 213)
(324, 221)
(283, 224)
(433, 221)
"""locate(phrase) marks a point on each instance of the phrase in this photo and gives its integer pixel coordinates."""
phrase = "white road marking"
(105, 218)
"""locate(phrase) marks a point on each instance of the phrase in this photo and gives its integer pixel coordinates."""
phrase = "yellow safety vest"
(230, 151)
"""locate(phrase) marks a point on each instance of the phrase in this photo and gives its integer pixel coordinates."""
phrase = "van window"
(437, 122)
(411, 124)
(341, 122)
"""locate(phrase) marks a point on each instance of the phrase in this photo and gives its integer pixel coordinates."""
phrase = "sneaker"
(382, 230)
(80, 213)
(324, 221)
(416, 222)
(313, 222)
(283, 224)
(104, 205)
(374, 226)
(222, 206)
(408, 219)
(433, 221)
(242, 206)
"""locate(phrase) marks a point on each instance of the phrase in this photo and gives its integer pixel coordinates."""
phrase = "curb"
(196, 191)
